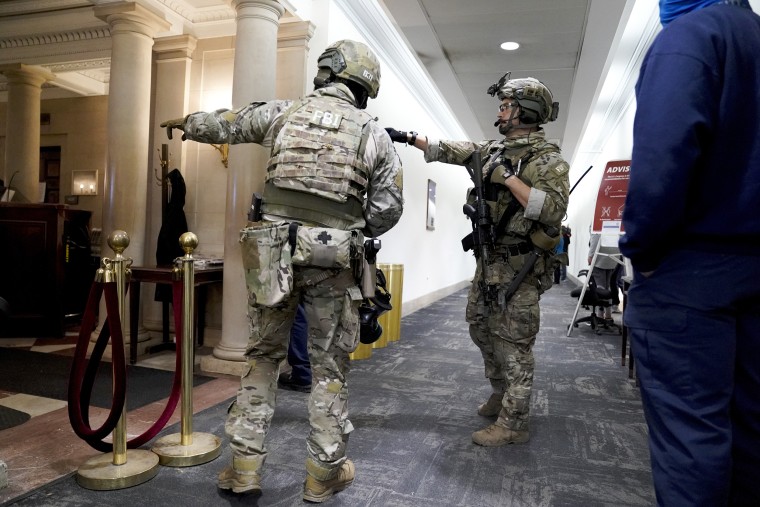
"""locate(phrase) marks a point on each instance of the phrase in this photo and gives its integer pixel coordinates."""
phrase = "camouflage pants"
(331, 307)
(505, 338)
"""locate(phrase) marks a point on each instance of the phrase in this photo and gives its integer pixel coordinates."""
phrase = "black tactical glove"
(397, 136)
(500, 171)
(178, 123)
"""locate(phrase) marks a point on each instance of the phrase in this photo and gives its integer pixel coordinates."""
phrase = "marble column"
(293, 58)
(132, 29)
(253, 79)
(22, 141)
(172, 97)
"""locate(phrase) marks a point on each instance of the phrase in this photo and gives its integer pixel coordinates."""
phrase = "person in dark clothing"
(693, 238)
(566, 234)
(559, 249)
(299, 376)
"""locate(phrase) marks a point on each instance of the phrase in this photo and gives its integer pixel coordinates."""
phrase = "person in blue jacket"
(692, 222)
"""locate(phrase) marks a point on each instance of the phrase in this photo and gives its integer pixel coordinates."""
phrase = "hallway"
(413, 405)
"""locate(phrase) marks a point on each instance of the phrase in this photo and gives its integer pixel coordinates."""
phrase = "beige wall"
(78, 126)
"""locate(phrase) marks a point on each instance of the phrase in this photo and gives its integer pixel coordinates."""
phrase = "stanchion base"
(204, 448)
(99, 473)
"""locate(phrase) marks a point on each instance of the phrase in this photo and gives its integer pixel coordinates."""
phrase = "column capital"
(174, 47)
(19, 73)
(131, 17)
(252, 8)
(295, 34)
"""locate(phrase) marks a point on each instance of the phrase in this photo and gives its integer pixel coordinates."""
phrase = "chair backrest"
(595, 295)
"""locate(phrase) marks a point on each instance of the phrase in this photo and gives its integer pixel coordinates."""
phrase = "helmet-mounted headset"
(536, 103)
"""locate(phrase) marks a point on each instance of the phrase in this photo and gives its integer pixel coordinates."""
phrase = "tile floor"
(45, 447)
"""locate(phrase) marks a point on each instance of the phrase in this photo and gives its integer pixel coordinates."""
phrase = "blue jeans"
(695, 333)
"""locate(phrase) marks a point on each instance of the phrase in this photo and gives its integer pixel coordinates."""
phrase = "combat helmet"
(353, 63)
(537, 105)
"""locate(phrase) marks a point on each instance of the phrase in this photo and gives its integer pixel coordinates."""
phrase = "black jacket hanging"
(173, 225)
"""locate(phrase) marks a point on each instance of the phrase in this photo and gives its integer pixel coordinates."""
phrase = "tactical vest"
(317, 172)
(504, 205)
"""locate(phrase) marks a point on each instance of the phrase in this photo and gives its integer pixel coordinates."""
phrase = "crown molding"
(55, 38)
(374, 25)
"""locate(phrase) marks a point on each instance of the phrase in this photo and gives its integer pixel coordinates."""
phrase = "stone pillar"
(22, 141)
(253, 79)
(126, 175)
(172, 94)
(293, 58)
(172, 97)
(132, 30)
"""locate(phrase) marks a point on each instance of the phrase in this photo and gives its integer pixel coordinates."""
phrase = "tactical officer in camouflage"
(332, 178)
(527, 189)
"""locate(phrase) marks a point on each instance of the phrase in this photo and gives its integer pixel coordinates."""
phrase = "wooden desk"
(47, 269)
(163, 275)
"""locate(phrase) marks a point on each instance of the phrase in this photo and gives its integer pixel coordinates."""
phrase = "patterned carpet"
(413, 407)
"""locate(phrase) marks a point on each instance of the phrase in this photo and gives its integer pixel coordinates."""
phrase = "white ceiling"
(564, 43)
(458, 42)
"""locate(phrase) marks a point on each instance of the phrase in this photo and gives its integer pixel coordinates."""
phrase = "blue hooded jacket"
(695, 171)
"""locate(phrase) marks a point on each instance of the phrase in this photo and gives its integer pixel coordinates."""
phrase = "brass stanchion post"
(121, 468)
(187, 448)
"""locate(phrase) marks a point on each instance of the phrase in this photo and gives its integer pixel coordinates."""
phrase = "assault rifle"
(482, 235)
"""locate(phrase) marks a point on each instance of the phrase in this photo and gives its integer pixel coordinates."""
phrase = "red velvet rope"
(82, 378)
(78, 414)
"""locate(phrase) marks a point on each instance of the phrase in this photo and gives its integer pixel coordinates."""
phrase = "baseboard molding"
(413, 305)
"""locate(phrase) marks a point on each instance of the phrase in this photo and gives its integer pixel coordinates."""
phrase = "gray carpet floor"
(413, 405)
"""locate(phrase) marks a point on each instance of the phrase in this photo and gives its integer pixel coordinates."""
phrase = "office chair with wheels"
(596, 298)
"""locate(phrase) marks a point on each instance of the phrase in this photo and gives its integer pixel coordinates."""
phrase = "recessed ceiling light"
(510, 46)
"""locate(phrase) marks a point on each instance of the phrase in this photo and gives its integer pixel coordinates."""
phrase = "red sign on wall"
(610, 201)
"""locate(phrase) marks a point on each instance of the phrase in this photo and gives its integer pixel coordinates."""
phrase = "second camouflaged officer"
(333, 177)
(526, 184)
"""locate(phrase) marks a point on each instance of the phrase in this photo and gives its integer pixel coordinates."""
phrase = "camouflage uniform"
(312, 182)
(505, 336)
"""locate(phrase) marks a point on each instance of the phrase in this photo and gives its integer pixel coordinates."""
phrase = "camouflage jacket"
(259, 121)
(537, 163)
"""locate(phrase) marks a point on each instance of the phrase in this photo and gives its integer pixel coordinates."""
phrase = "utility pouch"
(347, 331)
(326, 248)
(267, 263)
(369, 279)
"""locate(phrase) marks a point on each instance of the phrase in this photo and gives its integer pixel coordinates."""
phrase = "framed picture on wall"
(430, 222)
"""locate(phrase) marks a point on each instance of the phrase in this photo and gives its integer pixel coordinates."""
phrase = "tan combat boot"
(318, 491)
(241, 477)
(492, 407)
(496, 435)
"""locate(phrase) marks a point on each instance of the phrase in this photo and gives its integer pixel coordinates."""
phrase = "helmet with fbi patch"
(351, 62)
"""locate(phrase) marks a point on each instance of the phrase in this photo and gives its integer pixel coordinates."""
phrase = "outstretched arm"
(411, 138)
(249, 124)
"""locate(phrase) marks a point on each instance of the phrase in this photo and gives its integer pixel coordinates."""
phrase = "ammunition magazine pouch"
(545, 242)
(267, 263)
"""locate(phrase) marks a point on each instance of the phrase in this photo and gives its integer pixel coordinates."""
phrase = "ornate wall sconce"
(84, 182)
